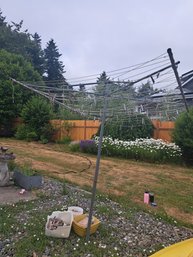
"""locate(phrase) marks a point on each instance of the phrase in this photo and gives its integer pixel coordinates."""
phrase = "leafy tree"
(36, 115)
(66, 114)
(14, 40)
(146, 90)
(119, 95)
(54, 68)
(13, 96)
(182, 134)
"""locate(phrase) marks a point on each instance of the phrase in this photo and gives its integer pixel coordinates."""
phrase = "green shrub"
(75, 146)
(128, 127)
(12, 165)
(183, 134)
(65, 140)
(21, 132)
(46, 133)
(32, 136)
(36, 115)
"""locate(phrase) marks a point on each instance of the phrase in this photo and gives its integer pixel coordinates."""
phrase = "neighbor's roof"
(186, 79)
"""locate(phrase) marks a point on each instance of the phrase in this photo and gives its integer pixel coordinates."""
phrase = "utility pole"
(177, 76)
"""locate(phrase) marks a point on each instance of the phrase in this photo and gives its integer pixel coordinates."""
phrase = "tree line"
(16, 40)
(23, 58)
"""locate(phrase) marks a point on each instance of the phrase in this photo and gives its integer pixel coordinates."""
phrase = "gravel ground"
(127, 233)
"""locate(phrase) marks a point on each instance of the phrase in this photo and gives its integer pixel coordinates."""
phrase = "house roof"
(187, 84)
(175, 91)
(187, 80)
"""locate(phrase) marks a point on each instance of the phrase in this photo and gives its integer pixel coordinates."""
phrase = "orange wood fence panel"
(163, 130)
(85, 129)
(75, 129)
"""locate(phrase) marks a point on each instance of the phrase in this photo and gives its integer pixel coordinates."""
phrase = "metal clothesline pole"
(97, 162)
(177, 77)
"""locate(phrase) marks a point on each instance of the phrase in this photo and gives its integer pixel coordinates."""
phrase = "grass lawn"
(123, 180)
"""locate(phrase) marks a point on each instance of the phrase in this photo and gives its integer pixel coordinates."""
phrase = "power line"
(128, 67)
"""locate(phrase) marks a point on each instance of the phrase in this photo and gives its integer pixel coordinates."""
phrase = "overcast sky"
(98, 35)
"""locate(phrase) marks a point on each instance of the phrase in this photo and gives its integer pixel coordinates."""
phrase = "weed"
(64, 189)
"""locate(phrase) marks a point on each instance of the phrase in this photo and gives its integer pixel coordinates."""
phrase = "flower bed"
(88, 146)
(151, 150)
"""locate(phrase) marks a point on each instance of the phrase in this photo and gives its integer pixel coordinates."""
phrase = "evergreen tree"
(18, 26)
(18, 41)
(2, 19)
(100, 88)
(54, 68)
(146, 90)
(37, 54)
(119, 95)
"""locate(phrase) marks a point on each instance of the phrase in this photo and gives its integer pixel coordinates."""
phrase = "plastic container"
(27, 182)
(76, 210)
(80, 229)
(151, 197)
(146, 197)
(60, 231)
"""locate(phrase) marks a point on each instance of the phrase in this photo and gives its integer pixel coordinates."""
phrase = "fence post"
(85, 129)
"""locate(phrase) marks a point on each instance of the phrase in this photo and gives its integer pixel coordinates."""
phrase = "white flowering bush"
(151, 150)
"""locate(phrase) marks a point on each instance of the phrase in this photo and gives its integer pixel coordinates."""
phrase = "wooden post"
(84, 129)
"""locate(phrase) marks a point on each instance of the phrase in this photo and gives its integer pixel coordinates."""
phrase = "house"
(187, 86)
(167, 105)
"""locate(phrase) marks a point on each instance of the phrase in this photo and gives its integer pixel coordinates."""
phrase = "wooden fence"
(85, 129)
(75, 129)
(163, 130)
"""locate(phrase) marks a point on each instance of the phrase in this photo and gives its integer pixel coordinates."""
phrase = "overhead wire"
(89, 103)
(128, 67)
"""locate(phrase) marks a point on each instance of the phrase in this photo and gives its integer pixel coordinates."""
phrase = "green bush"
(128, 127)
(32, 136)
(21, 132)
(75, 146)
(36, 115)
(46, 133)
(183, 134)
(66, 140)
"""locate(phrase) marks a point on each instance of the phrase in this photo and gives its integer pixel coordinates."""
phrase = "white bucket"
(60, 231)
(76, 210)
